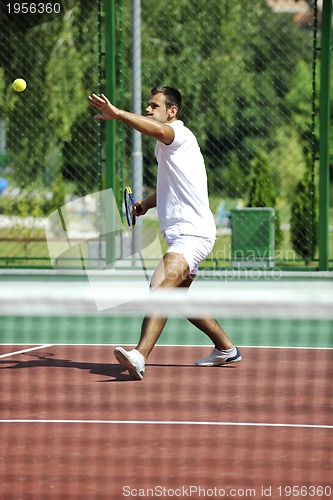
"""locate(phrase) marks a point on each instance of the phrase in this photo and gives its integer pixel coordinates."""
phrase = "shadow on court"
(116, 372)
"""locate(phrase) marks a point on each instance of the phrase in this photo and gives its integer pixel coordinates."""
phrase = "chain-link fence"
(249, 79)
(49, 143)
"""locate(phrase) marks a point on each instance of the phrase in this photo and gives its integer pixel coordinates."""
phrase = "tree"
(262, 192)
(233, 80)
(303, 221)
(48, 124)
(235, 68)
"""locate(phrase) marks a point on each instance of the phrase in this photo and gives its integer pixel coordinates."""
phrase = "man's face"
(156, 108)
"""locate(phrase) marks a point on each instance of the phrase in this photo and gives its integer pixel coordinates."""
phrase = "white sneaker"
(218, 358)
(133, 360)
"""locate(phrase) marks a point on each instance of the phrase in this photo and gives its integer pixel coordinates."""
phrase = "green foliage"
(261, 188)
(287, 161)
(64, 78)
(232, 177)
(58, 59)
(36, 203)
(2, 90)
(303, 221)
(234, 81)
(237, 85)
(58, 191)
(245, 75)
(262, 192)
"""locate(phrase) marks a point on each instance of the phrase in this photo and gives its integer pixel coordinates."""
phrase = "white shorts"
(194, 249)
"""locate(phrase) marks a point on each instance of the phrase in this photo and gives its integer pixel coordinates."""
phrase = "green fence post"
(324, 134)
(110, 126)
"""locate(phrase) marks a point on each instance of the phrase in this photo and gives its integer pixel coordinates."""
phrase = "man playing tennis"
(186, 221)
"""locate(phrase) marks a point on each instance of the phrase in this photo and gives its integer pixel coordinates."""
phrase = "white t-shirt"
(182, 193)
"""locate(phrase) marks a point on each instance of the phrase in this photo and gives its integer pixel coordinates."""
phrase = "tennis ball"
(19, 85)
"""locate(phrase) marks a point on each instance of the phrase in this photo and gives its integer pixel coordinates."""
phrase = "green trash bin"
(252, 240)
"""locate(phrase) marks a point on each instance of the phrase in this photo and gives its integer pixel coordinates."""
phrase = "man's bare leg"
(210, 326)
(173, 272)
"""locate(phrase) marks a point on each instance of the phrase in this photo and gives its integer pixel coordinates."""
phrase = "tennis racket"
(129, 202)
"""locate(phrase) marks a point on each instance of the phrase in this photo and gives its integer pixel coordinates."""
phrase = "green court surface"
(102, 328)
(126, 330)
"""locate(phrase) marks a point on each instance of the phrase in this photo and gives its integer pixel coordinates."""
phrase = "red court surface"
(74, 425)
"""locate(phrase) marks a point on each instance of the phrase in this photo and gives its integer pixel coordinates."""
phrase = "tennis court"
(74, 425)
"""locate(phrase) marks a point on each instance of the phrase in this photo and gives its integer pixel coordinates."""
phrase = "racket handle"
(138, 209)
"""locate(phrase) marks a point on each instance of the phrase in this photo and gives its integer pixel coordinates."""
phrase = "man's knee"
(171, 272)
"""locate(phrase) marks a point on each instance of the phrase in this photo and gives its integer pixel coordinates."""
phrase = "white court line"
(24, 350)
(175, 345)
(166, 422)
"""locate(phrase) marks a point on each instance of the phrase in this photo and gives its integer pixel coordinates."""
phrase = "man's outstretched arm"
(147, 126)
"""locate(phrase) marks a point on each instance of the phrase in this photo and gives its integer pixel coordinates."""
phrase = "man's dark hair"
(172, 96)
